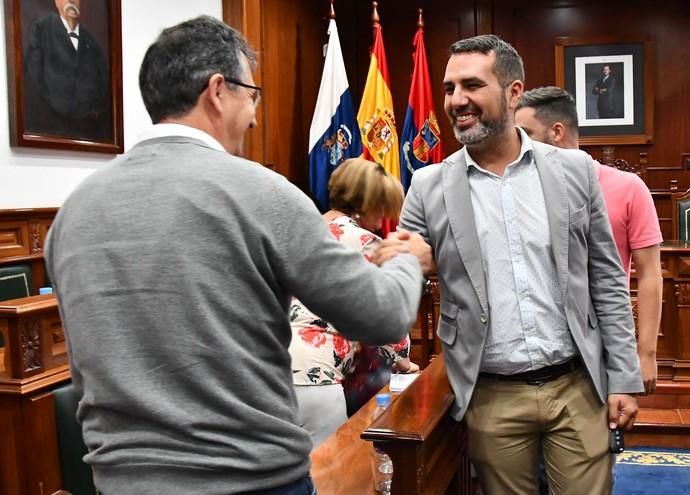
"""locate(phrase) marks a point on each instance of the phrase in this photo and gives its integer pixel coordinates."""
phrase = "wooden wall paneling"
(293, 67)
(666, 341)
(10, 464)
(41, 459)
(667, 28)
(14, 238)
(245, 15)
(292, 33)
(682, 361)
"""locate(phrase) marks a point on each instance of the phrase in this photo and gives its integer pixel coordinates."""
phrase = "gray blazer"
(593, 283)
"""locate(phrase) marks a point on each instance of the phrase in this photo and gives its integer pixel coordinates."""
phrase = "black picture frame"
(618, 108)
(58, 99)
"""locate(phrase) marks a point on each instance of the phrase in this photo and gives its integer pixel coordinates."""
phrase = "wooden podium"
(425, 444)
(33, 361)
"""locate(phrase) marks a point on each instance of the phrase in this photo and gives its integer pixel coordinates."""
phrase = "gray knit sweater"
(174, 268)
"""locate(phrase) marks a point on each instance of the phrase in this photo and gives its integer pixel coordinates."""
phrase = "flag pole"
(375, 15)
(420, 20)
(331, 11)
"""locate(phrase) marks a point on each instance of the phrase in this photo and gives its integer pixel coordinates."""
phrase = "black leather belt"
(537, 377)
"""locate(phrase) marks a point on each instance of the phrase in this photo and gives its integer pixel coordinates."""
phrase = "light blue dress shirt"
(527, 324)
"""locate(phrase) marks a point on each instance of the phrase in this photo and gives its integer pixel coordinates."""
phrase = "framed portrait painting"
(612, 82)
(64, 73)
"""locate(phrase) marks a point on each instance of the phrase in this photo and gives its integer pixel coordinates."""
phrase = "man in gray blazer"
(535, 321)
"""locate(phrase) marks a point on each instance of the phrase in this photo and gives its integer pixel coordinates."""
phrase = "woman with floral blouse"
(361, 194)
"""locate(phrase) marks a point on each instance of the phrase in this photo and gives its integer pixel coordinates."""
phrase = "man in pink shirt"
(549, 115)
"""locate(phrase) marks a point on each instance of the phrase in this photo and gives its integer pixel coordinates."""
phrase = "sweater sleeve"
(376, 305)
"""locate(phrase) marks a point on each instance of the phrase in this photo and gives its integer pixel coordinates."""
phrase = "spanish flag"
(421, 136)
(375, 117)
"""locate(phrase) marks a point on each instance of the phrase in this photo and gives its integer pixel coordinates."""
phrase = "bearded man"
(536, 323)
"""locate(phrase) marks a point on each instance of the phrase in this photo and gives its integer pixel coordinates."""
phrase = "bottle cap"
(45, 290)
(383, 400)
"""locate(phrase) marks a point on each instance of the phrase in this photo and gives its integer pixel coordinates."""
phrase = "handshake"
(404, 241)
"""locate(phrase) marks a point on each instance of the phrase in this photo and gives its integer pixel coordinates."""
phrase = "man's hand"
(649, 372)
(622, 411)
(404, 241)
(389, 248)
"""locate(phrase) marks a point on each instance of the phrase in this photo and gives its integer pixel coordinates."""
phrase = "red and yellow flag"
(375, 117)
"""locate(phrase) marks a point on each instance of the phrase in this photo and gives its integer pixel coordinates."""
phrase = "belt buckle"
(535, 381)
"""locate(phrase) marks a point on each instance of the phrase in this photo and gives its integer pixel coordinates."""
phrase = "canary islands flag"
(375, 117)
(421, 136)
(333, 135)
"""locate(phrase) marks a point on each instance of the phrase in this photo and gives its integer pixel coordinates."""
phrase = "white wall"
(31, 178)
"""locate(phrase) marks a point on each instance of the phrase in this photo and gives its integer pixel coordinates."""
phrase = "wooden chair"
(680, 215)
(76, 475)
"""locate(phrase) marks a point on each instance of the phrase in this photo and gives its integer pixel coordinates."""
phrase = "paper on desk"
(400, 381)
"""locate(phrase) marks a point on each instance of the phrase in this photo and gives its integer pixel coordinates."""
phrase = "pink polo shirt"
(631, 211)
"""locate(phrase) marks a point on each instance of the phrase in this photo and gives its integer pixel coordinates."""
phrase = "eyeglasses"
(256, 95)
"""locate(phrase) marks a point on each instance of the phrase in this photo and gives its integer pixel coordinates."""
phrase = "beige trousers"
(507, 421)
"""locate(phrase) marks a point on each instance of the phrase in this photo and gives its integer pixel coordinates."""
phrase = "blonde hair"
(360, 186)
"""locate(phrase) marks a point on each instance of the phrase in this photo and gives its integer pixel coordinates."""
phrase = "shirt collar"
(64, 23)
(165, 130)
(526, 152)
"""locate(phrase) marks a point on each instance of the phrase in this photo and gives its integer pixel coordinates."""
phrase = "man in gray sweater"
(174, 268)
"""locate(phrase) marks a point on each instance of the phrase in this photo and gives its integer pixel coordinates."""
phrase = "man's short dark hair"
(508, 66)
(177, 66)
(551, 104)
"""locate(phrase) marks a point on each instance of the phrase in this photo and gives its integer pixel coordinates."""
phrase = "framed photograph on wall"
(612, 82)
(64, 74)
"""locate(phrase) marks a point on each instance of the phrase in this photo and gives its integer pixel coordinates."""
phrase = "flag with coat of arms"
(333, 134)
(420, 142)
(375, 117)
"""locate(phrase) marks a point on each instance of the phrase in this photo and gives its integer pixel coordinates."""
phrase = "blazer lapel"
(556, 198)
(456, 192)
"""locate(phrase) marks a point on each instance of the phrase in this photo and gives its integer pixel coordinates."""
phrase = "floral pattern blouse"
(320, 355)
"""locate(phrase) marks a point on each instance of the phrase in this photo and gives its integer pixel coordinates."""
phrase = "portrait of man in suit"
(607, 90)
(66, 77)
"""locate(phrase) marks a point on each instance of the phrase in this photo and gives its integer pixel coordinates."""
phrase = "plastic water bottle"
(381, 464)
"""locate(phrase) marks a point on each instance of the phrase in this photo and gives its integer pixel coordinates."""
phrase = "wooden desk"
(32, 362)
(22, 236)
(425, 444)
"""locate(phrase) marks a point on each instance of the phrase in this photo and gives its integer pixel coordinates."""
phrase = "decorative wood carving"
(682, 292)
(31, 345)
(36, 242)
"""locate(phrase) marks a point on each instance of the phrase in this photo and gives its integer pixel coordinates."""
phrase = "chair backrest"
(77, 477)
(15, 281)
(680, 215)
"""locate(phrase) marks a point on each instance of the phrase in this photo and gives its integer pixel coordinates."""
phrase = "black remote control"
(616, 443)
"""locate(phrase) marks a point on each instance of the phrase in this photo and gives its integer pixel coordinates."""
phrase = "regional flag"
(375, 117)
(421, 136)
(333, 135)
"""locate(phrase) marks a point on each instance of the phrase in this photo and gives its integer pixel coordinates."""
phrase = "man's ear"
(558, 133)
(515, 91)
(212, 94)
